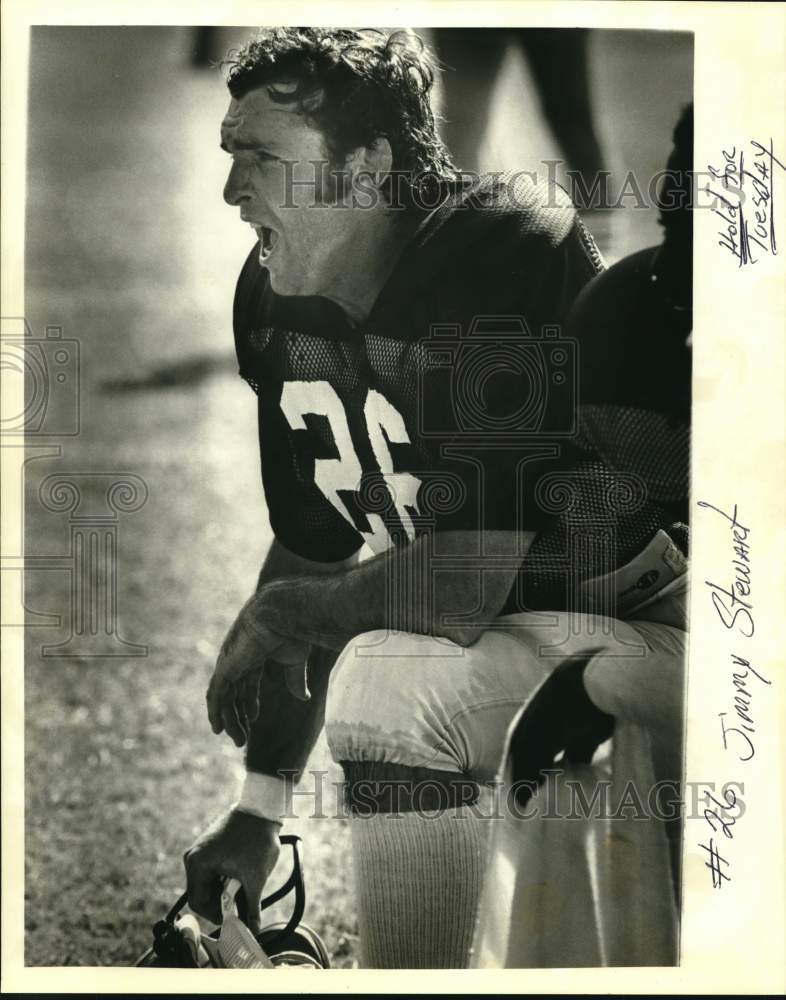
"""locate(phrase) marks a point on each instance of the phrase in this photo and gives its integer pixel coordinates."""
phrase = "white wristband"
(265, 796)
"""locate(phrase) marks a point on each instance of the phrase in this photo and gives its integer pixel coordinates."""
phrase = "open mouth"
(268, 238)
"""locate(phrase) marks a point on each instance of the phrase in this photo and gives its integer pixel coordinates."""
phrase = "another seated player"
(437, 523)
(608, 883)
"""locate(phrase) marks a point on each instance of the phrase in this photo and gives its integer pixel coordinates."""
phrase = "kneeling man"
(427, 483)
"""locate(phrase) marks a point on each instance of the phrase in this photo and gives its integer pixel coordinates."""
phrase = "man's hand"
(232, 696)
(236, 845)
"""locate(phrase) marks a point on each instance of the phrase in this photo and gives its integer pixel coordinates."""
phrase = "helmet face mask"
(303, 947)
(180, 943)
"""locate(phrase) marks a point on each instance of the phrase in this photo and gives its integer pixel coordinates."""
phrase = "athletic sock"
(418, 878)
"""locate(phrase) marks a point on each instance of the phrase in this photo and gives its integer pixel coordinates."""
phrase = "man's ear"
(376, 160)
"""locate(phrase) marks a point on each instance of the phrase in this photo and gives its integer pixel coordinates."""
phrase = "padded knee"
(424, 702)
(386, 702)
(375, 688)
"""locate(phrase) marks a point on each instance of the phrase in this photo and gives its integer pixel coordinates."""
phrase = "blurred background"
(132, 252)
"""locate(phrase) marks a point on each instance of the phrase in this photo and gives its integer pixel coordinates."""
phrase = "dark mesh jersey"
(454, 406)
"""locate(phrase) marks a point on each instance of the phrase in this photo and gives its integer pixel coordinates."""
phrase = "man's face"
(302, 244)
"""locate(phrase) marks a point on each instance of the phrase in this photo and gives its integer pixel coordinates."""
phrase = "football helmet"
(180, 942)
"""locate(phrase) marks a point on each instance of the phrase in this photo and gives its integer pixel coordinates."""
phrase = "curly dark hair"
(356, 86)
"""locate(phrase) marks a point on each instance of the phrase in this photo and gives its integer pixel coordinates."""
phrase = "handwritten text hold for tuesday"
(743, 193)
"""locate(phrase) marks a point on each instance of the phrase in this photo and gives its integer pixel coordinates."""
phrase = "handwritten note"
(731, 592)
(733, 602)
(716, 815)
(743, 193)
(742, 715)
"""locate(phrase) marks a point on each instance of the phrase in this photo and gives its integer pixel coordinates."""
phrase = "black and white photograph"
(352, 578)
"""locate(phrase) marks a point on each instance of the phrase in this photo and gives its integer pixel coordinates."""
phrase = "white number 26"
(345, 472)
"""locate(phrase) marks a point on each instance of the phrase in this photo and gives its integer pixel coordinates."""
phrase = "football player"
(428, 492)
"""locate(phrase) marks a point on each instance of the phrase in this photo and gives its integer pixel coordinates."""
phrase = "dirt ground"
(131, 252)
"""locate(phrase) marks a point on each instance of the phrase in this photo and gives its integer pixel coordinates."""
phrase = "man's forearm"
(403, 590)
(286, 730)
(280, 562)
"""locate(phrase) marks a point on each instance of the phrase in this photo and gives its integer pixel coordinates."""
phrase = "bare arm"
(280, 562)
(455, 592)
(281, 732)
(279, 725)
(284, 733)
